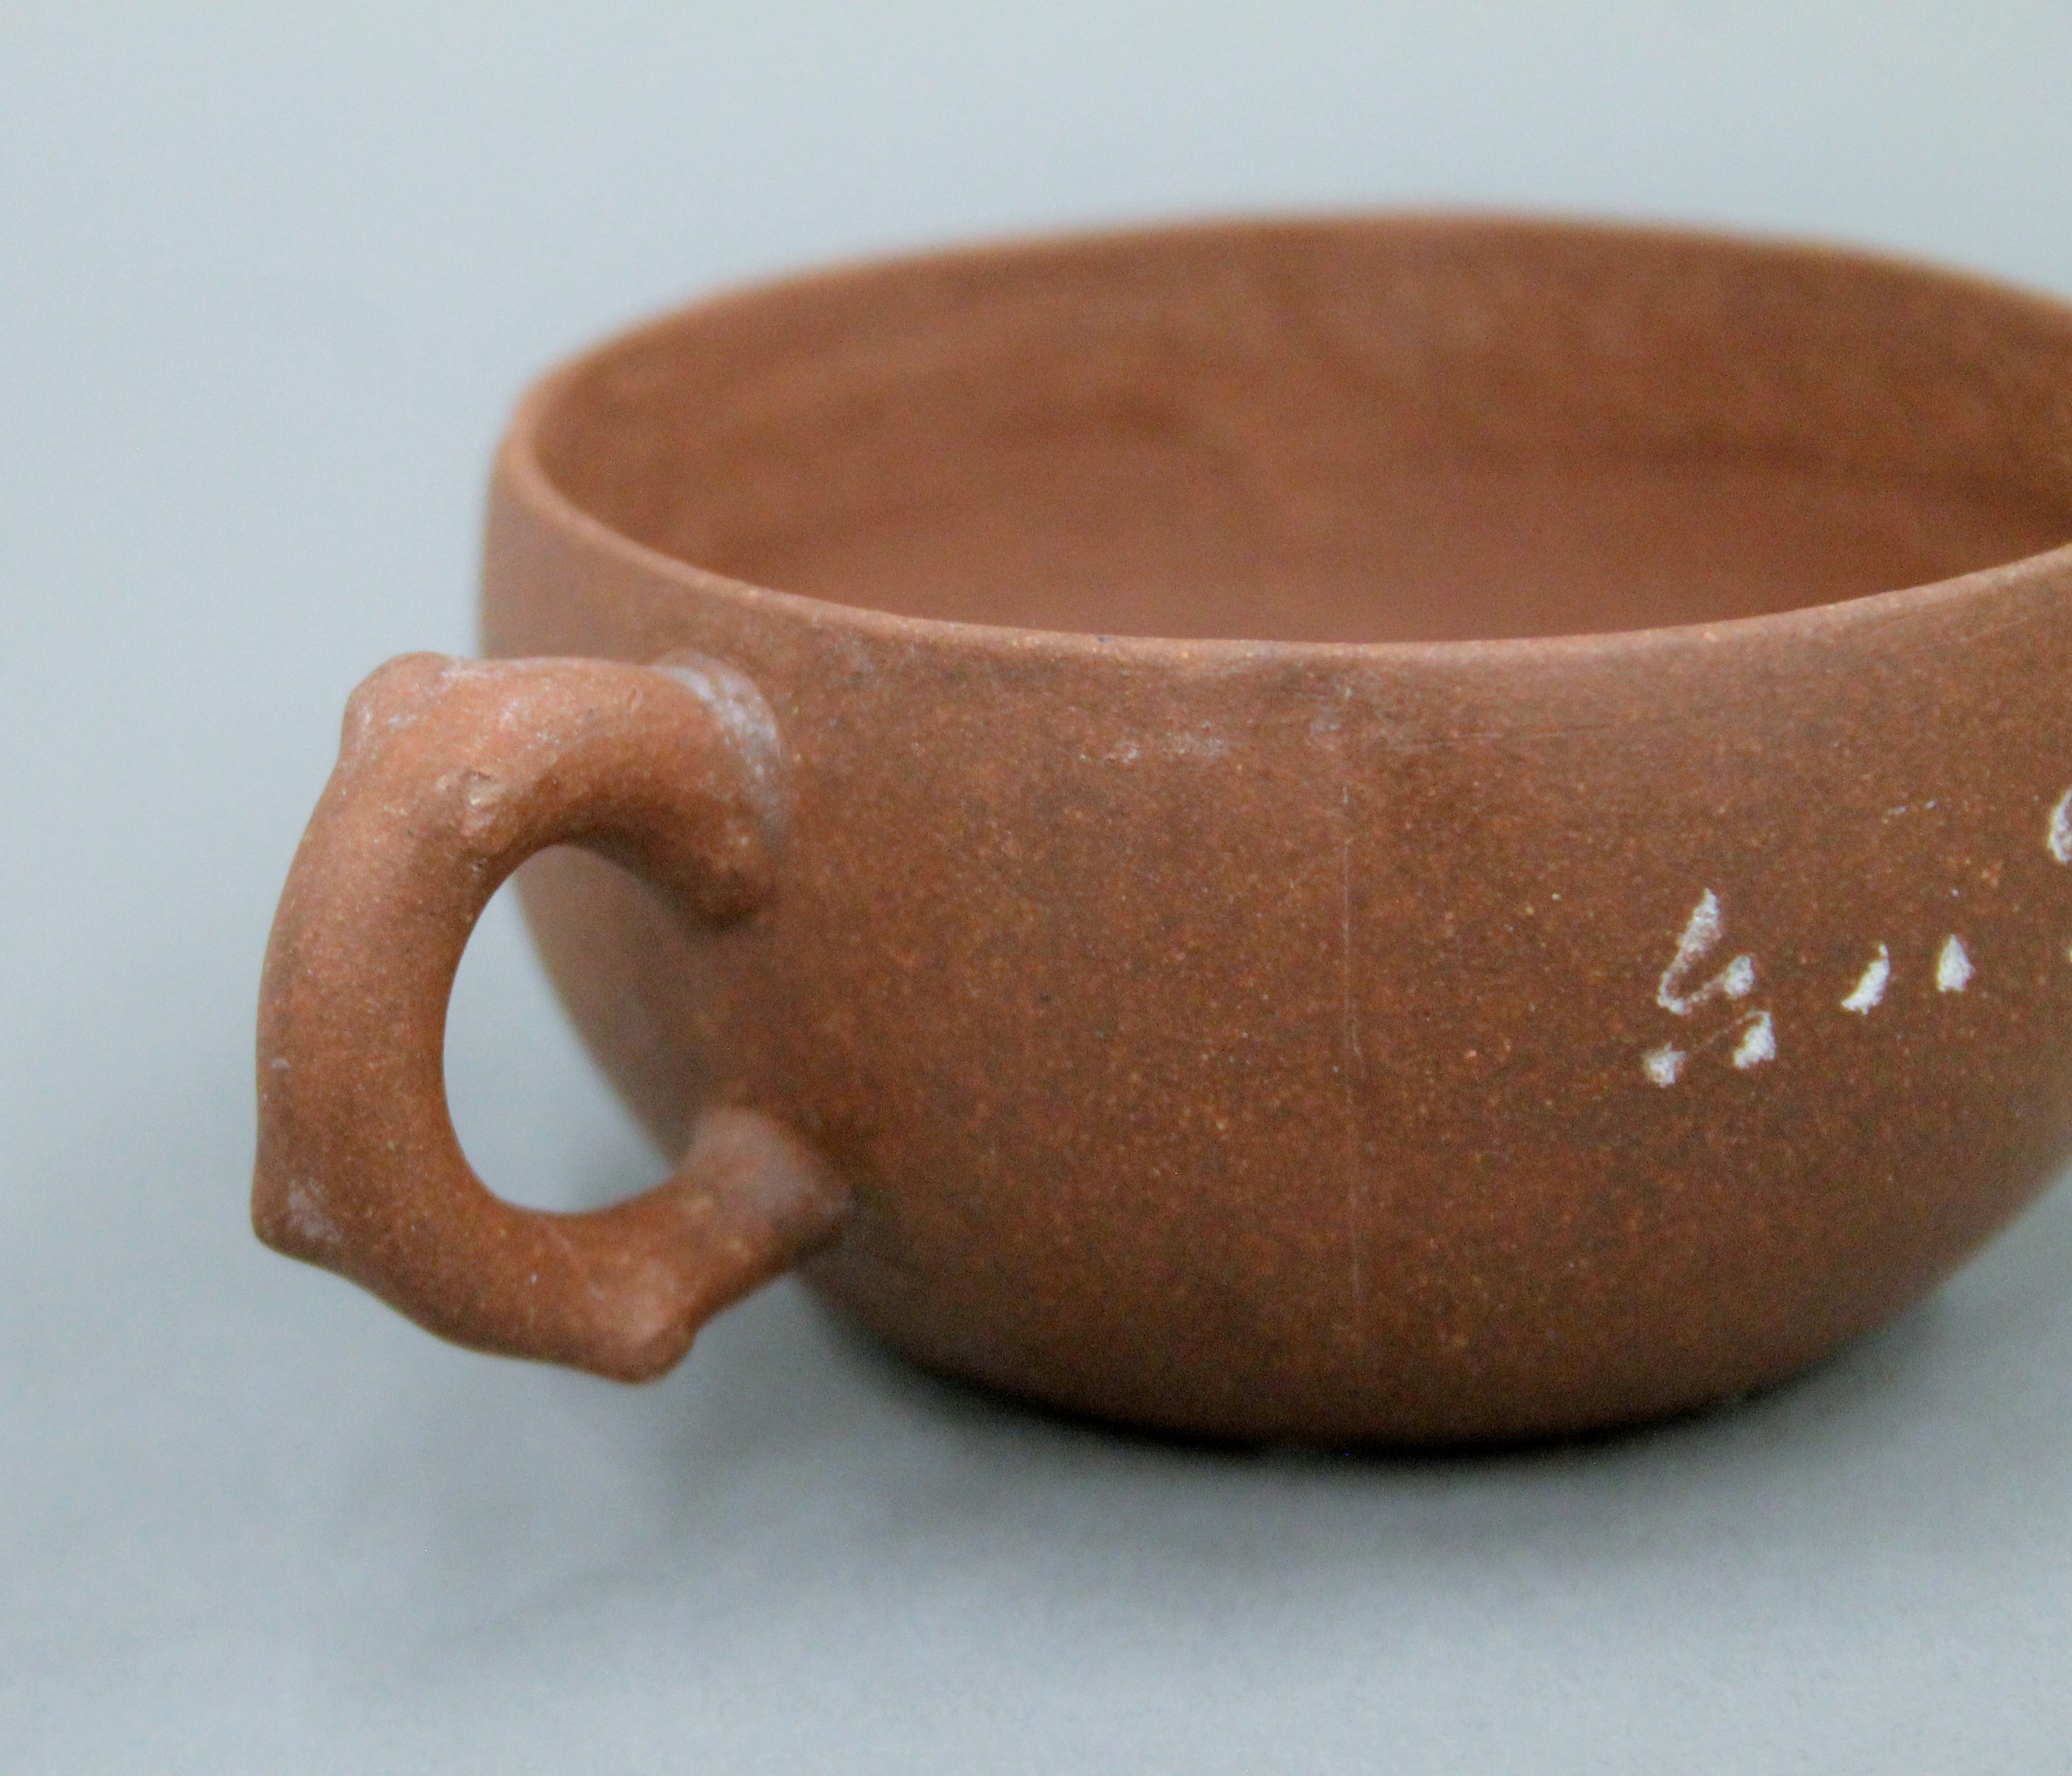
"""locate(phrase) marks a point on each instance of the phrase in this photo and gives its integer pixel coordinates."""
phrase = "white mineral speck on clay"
(1664, 1065)
(1701, 931)
(2058, 836)
(1870, 989)
(1758, 1045)
(1953, 966)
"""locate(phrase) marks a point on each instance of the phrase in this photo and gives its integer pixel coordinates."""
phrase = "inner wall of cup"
(1357, 431)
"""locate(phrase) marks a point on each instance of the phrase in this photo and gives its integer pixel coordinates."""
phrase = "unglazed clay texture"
(1411, 830)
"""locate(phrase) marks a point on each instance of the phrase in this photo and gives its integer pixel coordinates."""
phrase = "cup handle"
(451, 774)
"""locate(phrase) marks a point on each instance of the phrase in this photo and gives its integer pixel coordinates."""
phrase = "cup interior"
(1351, 431)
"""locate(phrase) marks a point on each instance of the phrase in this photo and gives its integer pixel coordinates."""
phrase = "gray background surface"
(268, 285)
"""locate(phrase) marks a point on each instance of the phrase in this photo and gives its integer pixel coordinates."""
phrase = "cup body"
(1420, 1040)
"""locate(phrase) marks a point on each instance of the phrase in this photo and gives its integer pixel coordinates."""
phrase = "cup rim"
(519, 470)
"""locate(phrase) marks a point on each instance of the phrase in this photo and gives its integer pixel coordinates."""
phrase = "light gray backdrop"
(268, 285)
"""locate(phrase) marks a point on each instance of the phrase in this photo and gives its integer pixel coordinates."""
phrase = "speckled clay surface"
(1570, 922)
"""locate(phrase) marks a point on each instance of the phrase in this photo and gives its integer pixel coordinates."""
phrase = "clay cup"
(1414, 829)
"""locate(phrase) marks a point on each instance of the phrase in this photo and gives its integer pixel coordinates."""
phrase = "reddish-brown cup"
(1417, 829)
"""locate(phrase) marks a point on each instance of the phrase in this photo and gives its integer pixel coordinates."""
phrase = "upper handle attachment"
(451, 774)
